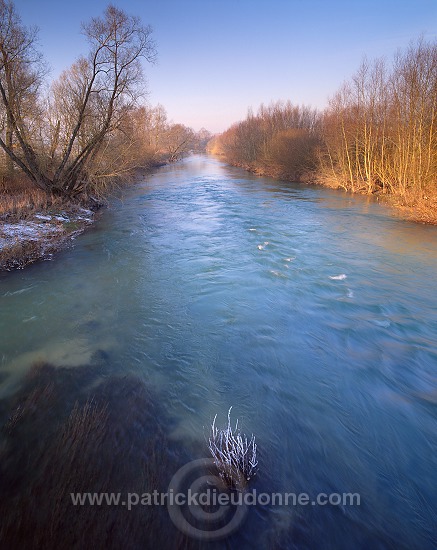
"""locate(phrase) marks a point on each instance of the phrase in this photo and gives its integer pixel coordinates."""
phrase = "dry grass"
(19, 199)
(420, 209)
(423, 210)
(22, 253)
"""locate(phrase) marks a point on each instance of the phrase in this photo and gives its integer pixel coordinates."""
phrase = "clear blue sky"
(218, 57)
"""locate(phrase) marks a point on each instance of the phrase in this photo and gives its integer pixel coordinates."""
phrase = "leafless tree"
(380, 130)
(21, 75)
(179, 141)
(279, 140)
(90, 100)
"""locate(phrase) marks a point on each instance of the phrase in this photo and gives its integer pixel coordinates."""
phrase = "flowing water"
(312, 313)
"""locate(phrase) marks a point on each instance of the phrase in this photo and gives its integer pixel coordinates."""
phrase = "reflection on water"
(311, 312)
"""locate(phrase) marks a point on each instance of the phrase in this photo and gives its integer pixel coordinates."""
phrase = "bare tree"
(90, 99)
(108, 86)
(380, 128)
(179, 141)
(280, 140)
(21, 74)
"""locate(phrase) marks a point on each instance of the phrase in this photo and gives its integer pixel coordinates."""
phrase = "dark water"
(312, 313)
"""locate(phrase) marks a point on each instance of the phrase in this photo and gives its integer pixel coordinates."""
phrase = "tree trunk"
(9, 144)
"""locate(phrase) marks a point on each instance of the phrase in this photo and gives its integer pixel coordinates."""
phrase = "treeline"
(378, 133)
(88, 128)
(281, 140)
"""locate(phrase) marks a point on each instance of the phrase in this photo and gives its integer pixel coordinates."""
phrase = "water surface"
(311, 312)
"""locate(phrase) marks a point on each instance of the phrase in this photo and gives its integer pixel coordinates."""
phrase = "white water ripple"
(341, 277)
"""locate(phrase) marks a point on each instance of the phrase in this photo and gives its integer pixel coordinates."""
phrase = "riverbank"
(424, 211)
(40, 235)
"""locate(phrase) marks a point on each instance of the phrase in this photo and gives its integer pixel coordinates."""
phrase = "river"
(313, 313)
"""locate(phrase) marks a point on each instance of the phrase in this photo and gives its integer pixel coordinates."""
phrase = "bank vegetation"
(377, 136)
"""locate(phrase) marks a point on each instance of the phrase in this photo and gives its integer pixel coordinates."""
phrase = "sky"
(216, 58)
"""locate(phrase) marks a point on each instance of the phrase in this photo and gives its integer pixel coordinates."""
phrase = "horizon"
(218, 59)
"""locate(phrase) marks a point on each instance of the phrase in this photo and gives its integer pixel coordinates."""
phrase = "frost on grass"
(27, 230)
(13, 233)
(234, 454)
(28, 240)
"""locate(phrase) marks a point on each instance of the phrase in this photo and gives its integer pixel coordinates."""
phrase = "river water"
(312, 313)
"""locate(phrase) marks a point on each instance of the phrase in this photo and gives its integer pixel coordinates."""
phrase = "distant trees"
(165, 140)
(178, 141)
(291, 153)
(281, 139)
(378, 134)
(202, 138)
